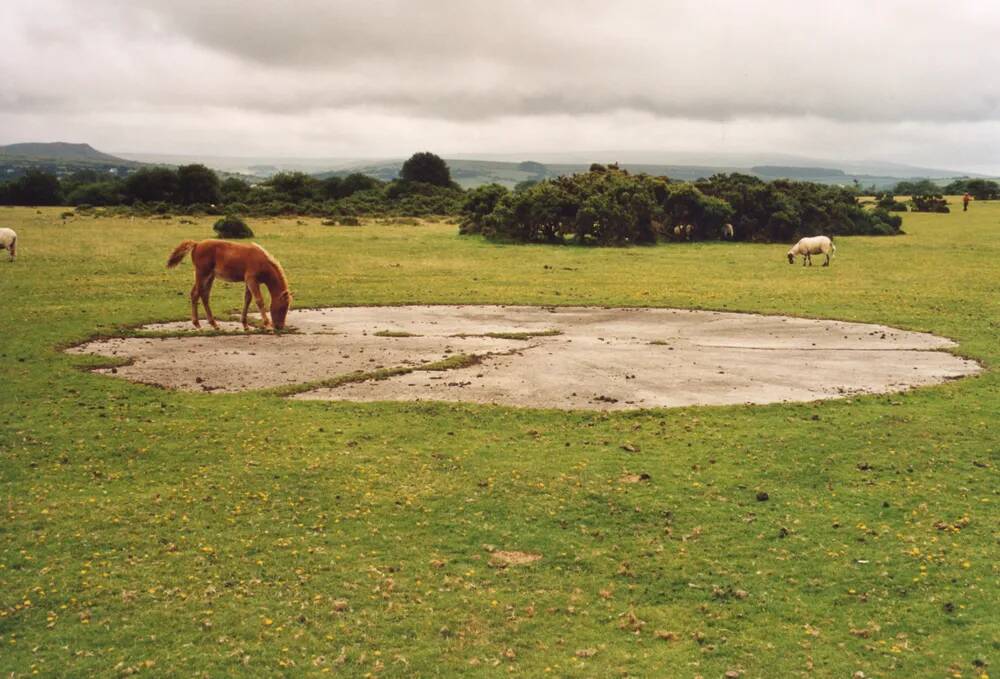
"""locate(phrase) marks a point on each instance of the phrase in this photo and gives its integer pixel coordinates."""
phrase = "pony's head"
(791, 257)
(279, 308)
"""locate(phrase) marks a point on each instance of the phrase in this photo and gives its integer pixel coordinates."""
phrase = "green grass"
(394, 333)
(451, 363)
(224, 534)
(521, 336)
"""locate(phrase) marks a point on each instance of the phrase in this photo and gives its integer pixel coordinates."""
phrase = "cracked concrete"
(602, 359)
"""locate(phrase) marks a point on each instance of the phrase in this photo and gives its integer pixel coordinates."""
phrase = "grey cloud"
(487, 73)
(855, 61)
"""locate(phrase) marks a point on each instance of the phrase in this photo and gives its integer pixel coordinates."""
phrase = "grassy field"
(186, 534)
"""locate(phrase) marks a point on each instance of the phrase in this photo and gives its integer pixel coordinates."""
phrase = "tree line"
(927, 196)
(980, 189)
(610, 206)
(604, 206)
(424, 187)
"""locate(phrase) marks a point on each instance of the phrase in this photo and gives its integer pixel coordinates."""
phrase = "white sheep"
(727, 232)
(8, 242)
(812, 246)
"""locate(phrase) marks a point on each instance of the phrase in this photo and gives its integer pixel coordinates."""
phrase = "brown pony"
(235, 262)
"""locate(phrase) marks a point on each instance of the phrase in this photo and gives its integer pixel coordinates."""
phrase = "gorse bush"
(609, 206)
(887, 201)
(232, 227)
(478, 204)
(785, 210)
(930, 203)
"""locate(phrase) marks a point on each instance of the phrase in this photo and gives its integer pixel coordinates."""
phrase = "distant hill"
(508, 169)
(789, 172)
(61, 151)
(742, 161)
(469, 173)
(59, 158)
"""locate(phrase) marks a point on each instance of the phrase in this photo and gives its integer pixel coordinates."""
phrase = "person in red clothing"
(965, 201)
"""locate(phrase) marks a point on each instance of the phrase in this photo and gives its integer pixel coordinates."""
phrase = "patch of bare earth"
(503, 559)
(634, 478)
(542, 357)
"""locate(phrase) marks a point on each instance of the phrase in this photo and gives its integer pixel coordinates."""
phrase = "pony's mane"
(277, 266)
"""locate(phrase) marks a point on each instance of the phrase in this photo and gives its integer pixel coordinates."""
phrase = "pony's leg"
(827, 262)
(13, 249)
(206, 291)
(254, 288)
(246, 305)
(195, 295)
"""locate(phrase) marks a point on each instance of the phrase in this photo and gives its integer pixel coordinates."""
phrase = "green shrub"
(426, 168)
(887, 201)
(478, 203)
(609, 206)
(930, 203)
(232, 226)
(96, 193)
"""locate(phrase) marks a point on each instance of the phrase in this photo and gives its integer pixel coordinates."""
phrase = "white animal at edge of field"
(683, 231)
(8, 242)
(727, 232)
(812, 246)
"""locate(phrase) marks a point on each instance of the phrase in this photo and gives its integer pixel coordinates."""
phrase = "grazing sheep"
(727, 232)
(8, 242)
(812, 246)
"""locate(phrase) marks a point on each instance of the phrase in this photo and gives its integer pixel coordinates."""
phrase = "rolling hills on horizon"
(62, 152)
(471, 170)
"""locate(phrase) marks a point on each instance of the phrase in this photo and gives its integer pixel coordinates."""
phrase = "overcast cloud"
(901, 81)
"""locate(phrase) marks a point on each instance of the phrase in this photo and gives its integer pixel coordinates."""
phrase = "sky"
(911, 81)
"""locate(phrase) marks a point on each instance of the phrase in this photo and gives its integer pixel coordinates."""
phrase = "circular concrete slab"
(545, 357)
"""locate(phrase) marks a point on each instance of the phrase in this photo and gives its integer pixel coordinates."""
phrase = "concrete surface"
(603, 359)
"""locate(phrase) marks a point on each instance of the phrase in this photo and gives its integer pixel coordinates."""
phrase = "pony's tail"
(177, 255)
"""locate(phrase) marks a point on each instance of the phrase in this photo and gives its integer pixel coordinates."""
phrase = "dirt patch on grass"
(503, 559)
(564, 357)
(634, 478)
